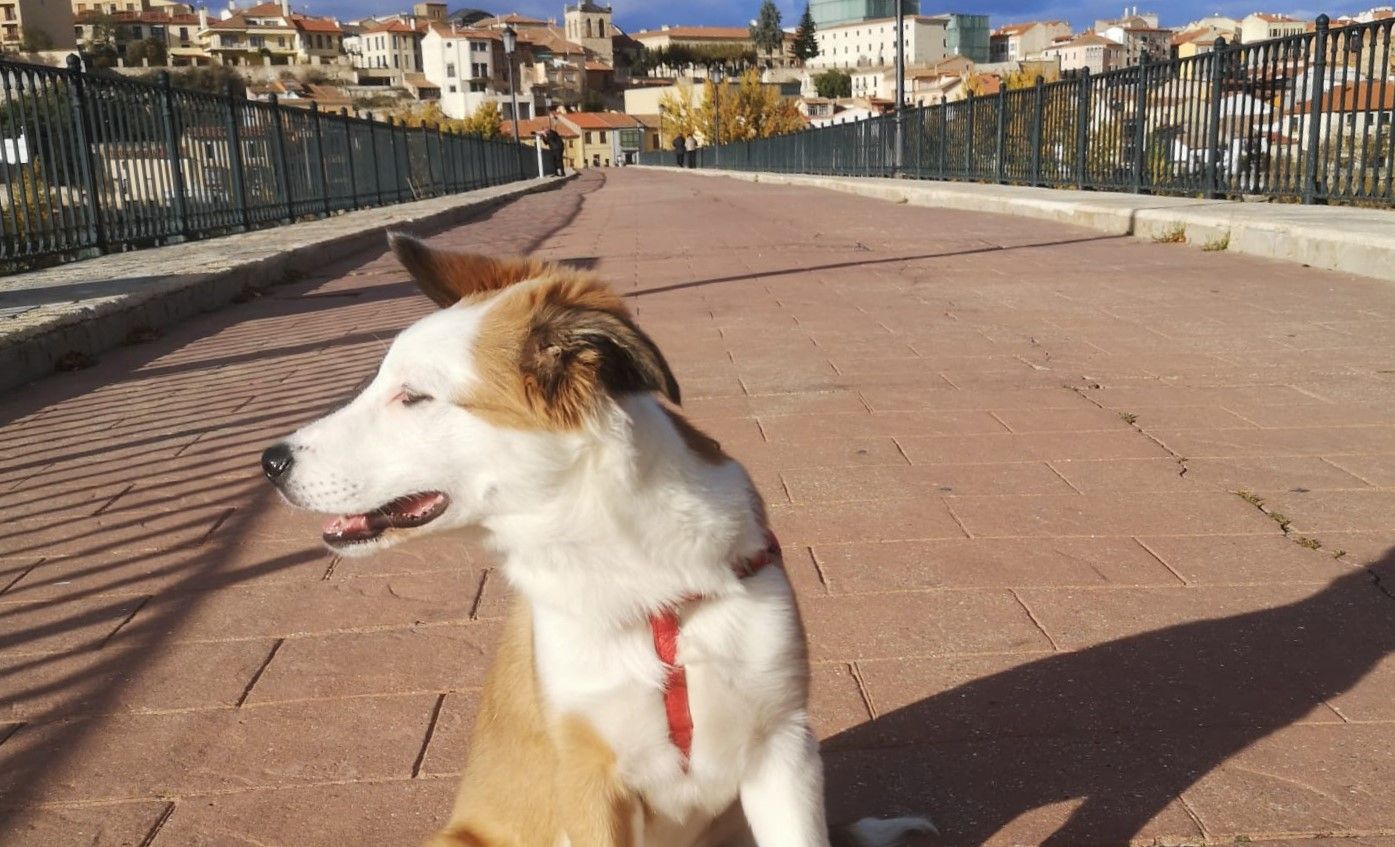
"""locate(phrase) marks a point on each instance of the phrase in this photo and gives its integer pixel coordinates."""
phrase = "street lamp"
(897, 162)
(510, 44)
(716, 72)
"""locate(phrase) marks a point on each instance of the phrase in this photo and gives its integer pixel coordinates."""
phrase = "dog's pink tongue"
(347, 525)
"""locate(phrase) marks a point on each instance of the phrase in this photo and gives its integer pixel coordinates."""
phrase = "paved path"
(1003, 456)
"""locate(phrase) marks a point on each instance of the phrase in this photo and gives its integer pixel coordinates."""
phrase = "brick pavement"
(1003, 456)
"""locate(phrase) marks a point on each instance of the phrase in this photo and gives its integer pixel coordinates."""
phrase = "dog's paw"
(886, 832)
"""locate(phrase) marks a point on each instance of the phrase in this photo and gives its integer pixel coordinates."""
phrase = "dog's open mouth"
(407, 512)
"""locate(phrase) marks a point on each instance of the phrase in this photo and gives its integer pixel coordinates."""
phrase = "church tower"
(589, 25)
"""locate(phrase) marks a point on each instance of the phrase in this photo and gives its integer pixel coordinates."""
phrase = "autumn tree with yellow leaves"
(745, 109)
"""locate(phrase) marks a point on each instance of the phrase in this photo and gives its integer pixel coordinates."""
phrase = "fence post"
(969, 136)
(1213, 122)
(377, 166)
(82, 126)
(1140, 124)
(1082, 130)
(1000, 137)
(1038, 107)
(943, 109)
(1318, 69)
(235, 163)
(176, 157)
(349, 155)
(278, 143)
(320, 157)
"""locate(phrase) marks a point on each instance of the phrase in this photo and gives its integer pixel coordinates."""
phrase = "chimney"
(203, 17)
(286, 8)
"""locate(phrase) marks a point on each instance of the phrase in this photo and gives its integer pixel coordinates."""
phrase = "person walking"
(680, 148)
(554, 146)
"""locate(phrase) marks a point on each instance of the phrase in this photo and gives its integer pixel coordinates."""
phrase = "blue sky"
(634, 15)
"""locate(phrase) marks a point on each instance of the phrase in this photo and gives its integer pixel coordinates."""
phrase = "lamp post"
(716, 72)
(510, 44)
(900, 84)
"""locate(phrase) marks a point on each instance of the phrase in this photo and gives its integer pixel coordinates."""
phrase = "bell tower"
(589, 24)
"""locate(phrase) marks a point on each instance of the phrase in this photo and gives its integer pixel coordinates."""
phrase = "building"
(1356, 109)
(36, 25)
(393, 46)
(607, 138)
(530, 129)
(177, 31)
(470, 68)
(967, 35)
(1138, 41)
(1262, 26)
(1131, 18)
(1015, 42)
(872, 43)
(270, 33)
(590, 25)
(1090, 51)
(833, 12)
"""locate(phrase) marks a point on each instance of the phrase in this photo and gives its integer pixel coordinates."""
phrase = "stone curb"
(86, 308)
(1350, 240)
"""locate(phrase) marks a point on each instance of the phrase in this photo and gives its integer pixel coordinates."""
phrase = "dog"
(651, 685)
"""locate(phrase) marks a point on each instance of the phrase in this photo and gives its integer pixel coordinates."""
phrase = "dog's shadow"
(1116, 732)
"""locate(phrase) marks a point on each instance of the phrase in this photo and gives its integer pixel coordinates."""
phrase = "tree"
(806, 46)
(833, 84)
(34, 40)
(766, 32)
(745, 109)
(152, 49)
(486, 120)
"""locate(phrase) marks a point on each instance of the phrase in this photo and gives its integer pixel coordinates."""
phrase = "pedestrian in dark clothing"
(554, 146)
(680, 148)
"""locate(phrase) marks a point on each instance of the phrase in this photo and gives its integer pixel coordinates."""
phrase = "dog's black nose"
(277, 460)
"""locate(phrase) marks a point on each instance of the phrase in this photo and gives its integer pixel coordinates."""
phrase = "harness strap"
(664, 625)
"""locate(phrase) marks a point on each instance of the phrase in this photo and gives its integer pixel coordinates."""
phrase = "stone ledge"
(1337, 238)
(92, 306)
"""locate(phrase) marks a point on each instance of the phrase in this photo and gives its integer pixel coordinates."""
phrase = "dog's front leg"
(782, 791)
(596, 808)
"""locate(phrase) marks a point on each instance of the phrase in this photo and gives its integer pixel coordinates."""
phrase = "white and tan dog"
(651, 686)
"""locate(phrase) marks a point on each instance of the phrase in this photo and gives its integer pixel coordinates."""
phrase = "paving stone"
(824, 485)
(873, 567)
(918, 623)
(121, 825)
(1029, 447)
(404, 811)
(126, 756)
(433, 658)
(1201, 513)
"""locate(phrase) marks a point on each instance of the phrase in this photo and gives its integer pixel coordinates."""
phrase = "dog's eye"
(412, 398)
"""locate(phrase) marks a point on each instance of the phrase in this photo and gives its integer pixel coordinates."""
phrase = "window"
(604, 140)
(452, 88)
(450, 70)
(479, 70)
(588, 137)
(478, 46)
(600, 29)
(477, 87)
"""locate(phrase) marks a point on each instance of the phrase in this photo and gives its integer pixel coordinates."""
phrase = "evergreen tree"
(766, 31)
(806, 46)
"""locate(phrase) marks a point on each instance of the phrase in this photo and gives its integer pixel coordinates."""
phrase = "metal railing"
(95, 163)
(1305, 118)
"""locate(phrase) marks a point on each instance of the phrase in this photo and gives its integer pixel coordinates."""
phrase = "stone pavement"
(1090, 535)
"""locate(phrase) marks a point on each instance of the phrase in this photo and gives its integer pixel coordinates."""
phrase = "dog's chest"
(743, 660)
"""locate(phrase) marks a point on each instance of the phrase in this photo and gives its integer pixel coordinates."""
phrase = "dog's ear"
(571, 355)
(447, 277)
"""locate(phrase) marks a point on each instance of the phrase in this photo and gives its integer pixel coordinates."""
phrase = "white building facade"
(869, 44)
(468, 65)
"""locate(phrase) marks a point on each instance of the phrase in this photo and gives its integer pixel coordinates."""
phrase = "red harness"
(664, 625)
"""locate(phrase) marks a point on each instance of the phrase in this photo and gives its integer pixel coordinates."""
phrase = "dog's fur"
(530, 402)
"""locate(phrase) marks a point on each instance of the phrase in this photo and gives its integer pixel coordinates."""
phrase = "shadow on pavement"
(1170, 705)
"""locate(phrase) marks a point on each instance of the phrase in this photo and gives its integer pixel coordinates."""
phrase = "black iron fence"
(1305, 118)
(96, 163)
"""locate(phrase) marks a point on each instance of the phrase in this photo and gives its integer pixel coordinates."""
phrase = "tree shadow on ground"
(1120, 729)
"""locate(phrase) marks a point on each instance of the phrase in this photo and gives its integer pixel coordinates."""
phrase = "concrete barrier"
(1338, 238)
(78, 310)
